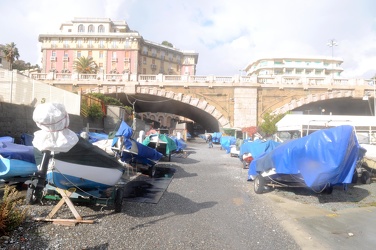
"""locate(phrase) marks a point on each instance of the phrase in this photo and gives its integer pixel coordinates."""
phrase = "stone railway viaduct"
(228, 102)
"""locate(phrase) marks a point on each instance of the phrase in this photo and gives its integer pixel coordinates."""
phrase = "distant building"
(311, 70)
(114, 47)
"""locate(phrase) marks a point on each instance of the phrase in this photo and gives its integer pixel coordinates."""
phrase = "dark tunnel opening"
(150, 103)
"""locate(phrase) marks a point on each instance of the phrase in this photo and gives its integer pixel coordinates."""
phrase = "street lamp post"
(331, 44)
(374, 96)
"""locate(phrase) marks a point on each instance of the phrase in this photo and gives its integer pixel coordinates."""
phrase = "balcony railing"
(160, 78)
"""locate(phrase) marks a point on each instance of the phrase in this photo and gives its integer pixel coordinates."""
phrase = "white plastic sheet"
(53, 120)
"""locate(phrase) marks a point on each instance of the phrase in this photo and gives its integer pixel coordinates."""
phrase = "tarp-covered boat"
(250, 150)
(319, 161)
(162, 143)
(216, 137)
(16, 160)
(67, 161)
(180, 143)
(226, 142)
(134, 153)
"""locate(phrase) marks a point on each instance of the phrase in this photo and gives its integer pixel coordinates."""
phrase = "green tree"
(168, 44)
(268, 125)
(85, 65)
(11, 53)
(22, 65)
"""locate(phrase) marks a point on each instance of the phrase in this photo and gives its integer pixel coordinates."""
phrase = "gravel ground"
(191, 214)
(358, 195)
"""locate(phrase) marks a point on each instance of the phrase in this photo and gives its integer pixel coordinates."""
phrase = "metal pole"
(331, 44)
(374, 96)
(11, 86)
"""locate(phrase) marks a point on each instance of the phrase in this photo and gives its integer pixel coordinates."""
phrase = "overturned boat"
(318, 161)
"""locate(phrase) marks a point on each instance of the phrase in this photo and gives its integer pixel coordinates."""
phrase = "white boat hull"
(66, 175)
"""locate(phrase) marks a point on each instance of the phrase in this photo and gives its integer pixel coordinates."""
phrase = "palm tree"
(85, 65)
(11, 53)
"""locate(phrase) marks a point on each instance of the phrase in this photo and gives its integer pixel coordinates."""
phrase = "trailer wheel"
(118, 202)
(365, 178)
(151, 171)
(259, 184)
(328, 190)
(32, 196)
(245, 164)
(355, 177)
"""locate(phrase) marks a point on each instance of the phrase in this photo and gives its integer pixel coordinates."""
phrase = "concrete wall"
(18, 119)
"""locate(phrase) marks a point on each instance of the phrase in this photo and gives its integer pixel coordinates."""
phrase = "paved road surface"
(208, 205)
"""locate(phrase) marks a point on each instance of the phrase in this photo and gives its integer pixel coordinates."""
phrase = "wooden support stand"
(65, 194)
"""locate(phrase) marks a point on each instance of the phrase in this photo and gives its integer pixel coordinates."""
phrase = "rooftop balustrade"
(263, 80)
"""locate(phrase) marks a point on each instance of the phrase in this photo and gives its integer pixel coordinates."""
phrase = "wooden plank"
(65, 194)
(65, 221)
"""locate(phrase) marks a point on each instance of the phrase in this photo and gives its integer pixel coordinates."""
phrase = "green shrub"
(11, 214)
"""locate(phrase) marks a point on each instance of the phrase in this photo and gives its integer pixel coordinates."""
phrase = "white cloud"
(227, 34)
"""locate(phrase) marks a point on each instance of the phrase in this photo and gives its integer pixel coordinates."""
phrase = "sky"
(227, 34)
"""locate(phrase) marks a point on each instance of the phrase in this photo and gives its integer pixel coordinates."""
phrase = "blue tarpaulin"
(326, 156)
(216, 137)
(257, 148)
(180, 143)
(142, 150)
(226, 142)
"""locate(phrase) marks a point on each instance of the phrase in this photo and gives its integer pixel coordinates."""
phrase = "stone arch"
(312, 98)
(187, 99)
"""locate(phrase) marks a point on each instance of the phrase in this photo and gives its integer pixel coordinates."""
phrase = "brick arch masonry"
(189, 100)
(312, 98)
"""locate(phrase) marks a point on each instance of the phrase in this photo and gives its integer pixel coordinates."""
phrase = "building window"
(66, 55)
(100, 54)
(101, 29)
(90, 54)
(78, 54)
(101, 44)
(79, 43)
(53, 44)
(66, 44)
(144, 50)
(90, 29)
(90, 44)
(114, 45)
(114, 57)
(153, 52)
(81, 28)
(144, 60)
